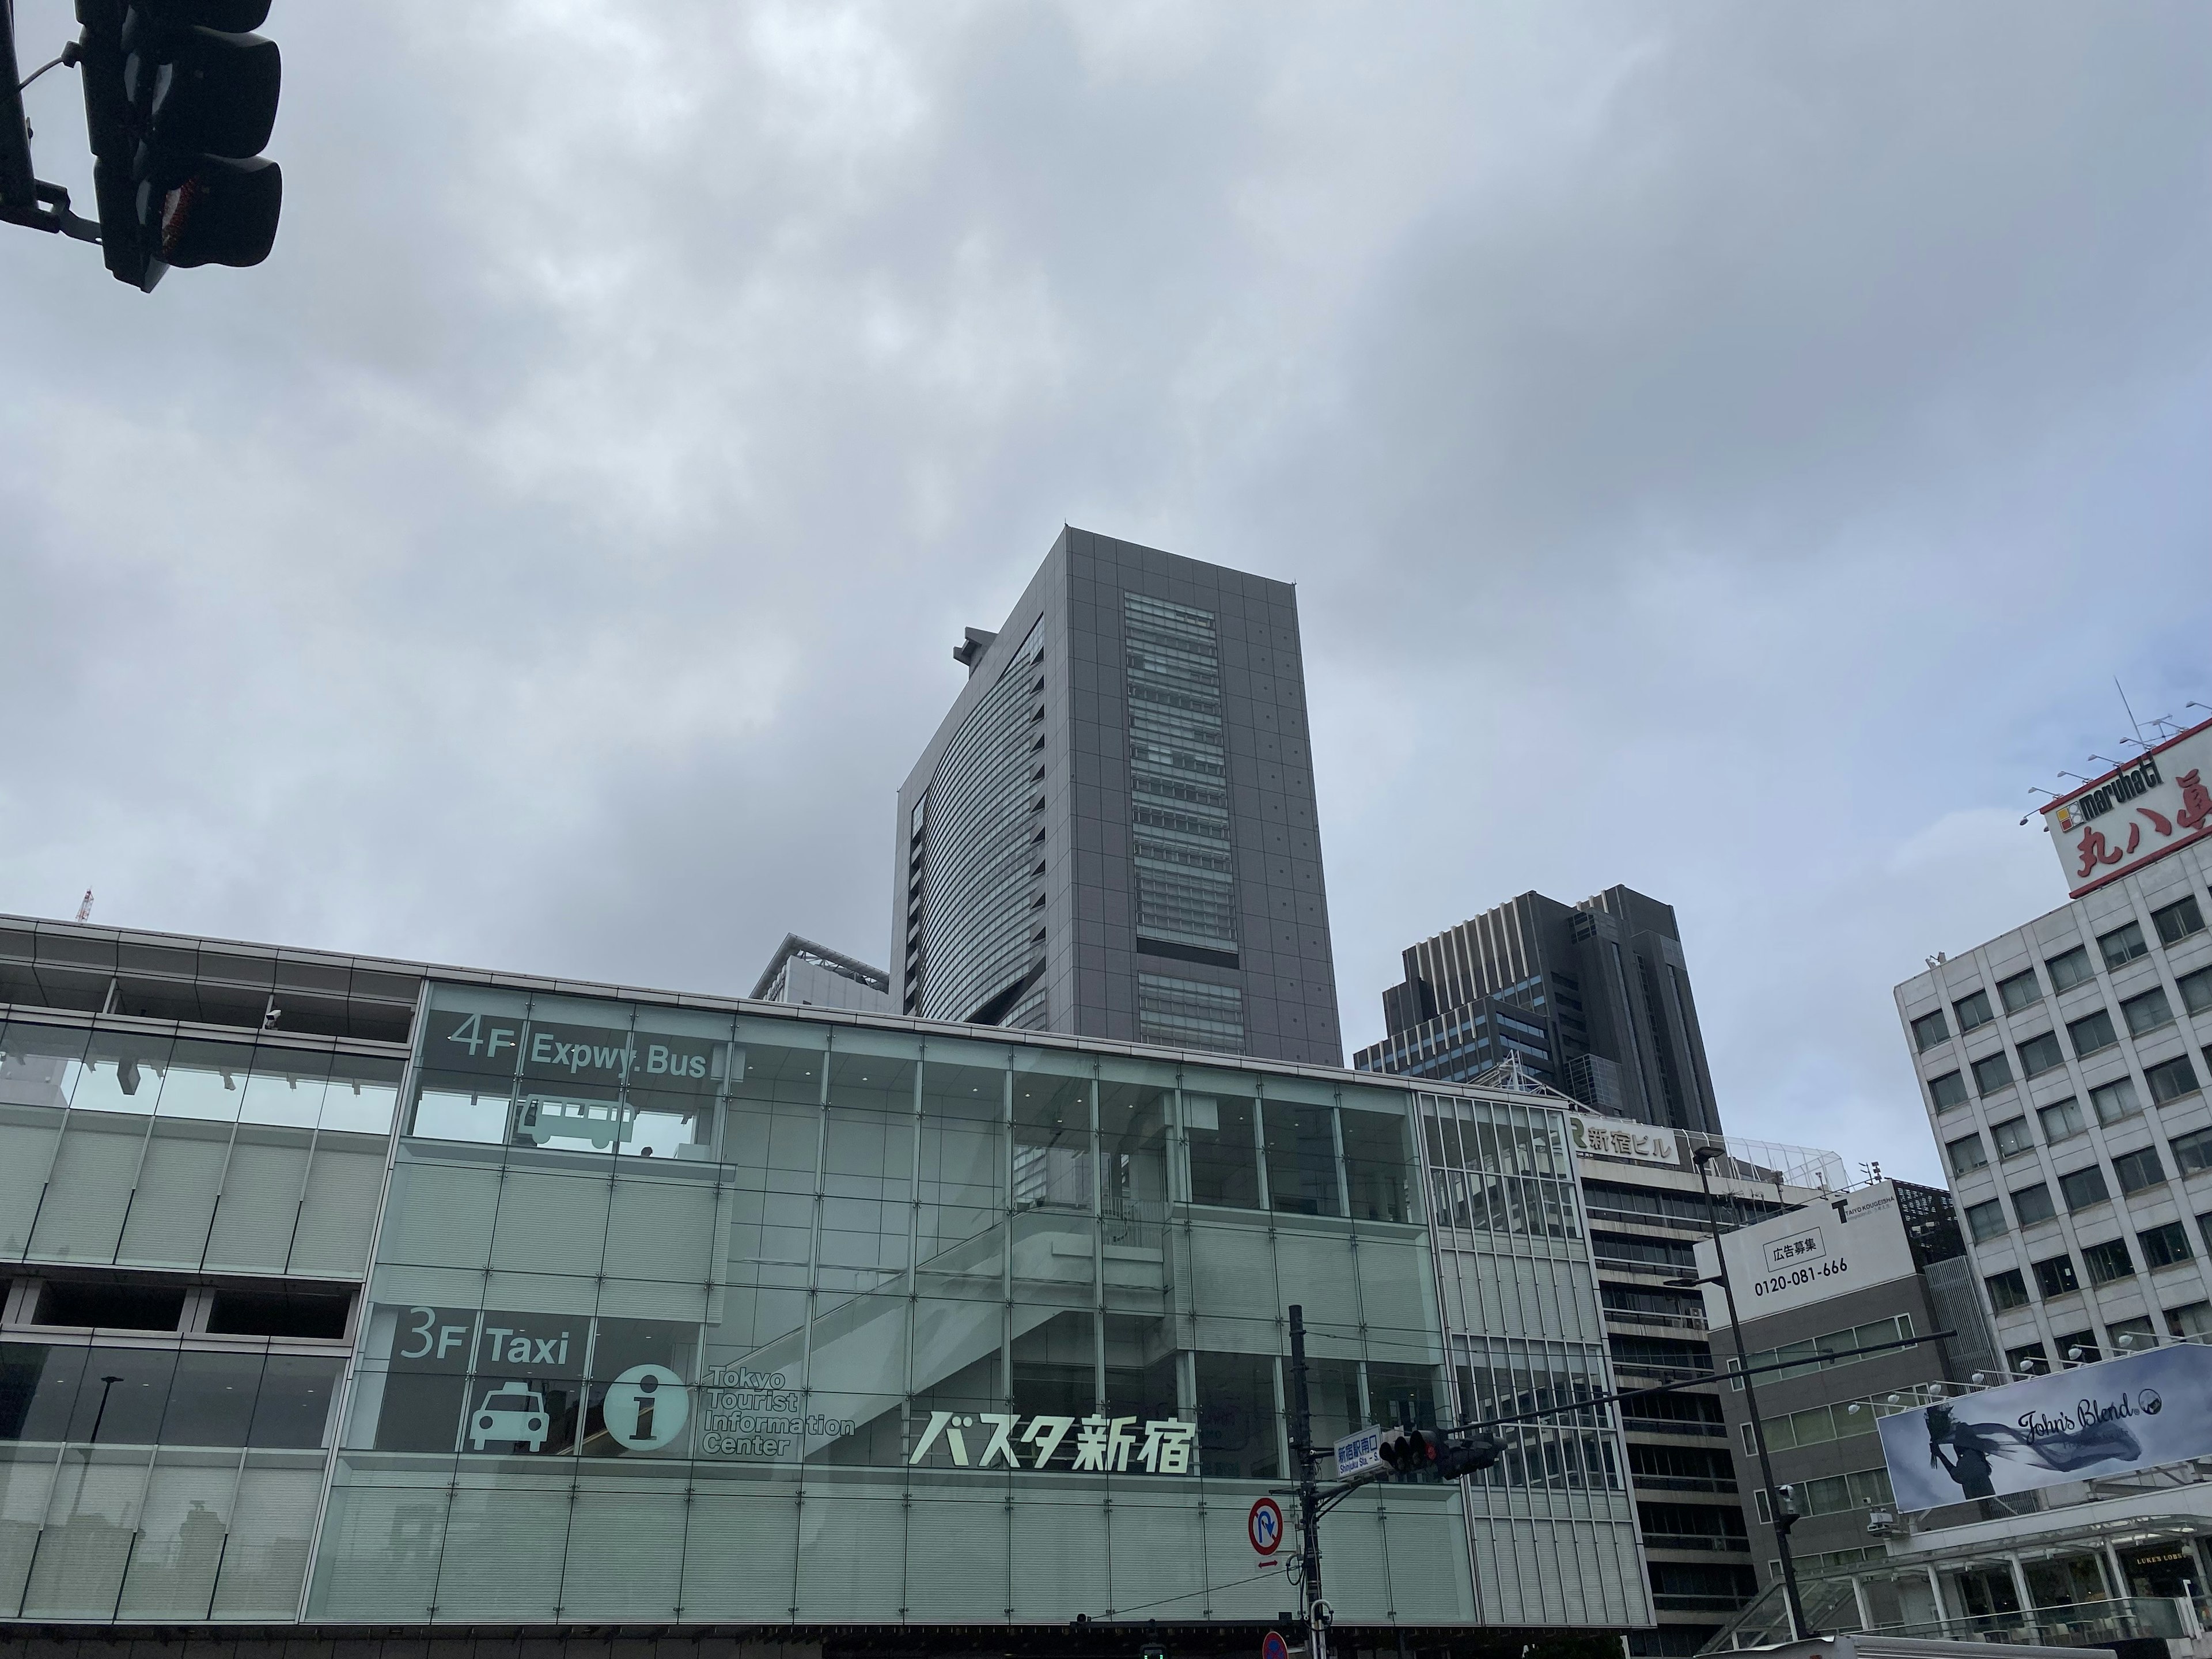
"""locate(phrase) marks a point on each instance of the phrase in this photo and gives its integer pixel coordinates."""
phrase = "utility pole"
(1316, 1610)
(1784, 1515)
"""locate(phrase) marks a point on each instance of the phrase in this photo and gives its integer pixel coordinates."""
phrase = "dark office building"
(1113, 833)
(1605, 979)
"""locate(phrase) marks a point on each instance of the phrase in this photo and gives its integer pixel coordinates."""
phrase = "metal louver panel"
(260, 1203)
(440, 1216)
(266, 1559)
(176, 1197)
(82, 1219)
(551, 1224)
(339, 1214)
(25, 1149)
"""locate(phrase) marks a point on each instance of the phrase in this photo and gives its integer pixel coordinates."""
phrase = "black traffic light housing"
(1416, 1451)
(180, 99)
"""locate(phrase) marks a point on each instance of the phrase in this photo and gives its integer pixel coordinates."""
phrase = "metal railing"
(2078, 1625)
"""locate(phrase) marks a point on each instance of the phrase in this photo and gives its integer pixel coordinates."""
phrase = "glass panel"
(640, 1402)
(1220, 1124)
(363, 1093)
(121, 1399)
(1056, 1367)
(1141, 1367)
(1053, 1164)
(205, 1080)
(286, 1088)
(39, 1064)
(122, 1072)
(1404, 1395)
(461, 1106)
(681, 1065)
(1136, 1104)
(211, 1400)
(575, 1057)
(1301, 1144)
(38, 1389)
(1378, 1156)
(1237, 1421)
(963, 1152)
(293, 1409)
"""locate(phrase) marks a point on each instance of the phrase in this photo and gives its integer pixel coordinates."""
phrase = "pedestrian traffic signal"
(180, 100)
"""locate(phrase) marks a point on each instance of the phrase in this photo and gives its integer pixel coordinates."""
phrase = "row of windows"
(2124, 945)
(2092, 1034)
(2113, 1103)
(2085, 1188)
(1832, 1348)
(2191, 1323)
(2163, 1246)
(1837, 1494)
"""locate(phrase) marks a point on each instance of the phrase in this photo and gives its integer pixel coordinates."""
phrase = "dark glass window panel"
(2193, 1151)
(2012, 1137)
(1237, 1416)
(2147, 1011)
(126, 1411)
(293, 1408)
(2080, 1347)
(2071, 969)
(2061, 1120)
(2091, 1033)
(1973, 1011)
(1223, 1152)
(2008, 1289)
(2196, 990)
(2123, 945)
(2171, 1079)
(2020, 991)
(1301, 1144)
(1967, 1152)
(2032, 1205)
(1948, 1091)
(1930, 1029)
(1992, 1073)
(619, 1353)
(211, 1400)
(2029, 1358)
(2138, 1169)
(39, 1387)
(2056, 1277)
(1378, 1161)
(420, 1413)
(2177, 921)
(1985, 1220)
(2108, 1261)
(2040, 1054)
(2084, 1188)
(2162, 1247)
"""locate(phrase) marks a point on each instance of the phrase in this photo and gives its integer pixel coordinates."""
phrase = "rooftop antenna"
(84, 910)
(2132, 720)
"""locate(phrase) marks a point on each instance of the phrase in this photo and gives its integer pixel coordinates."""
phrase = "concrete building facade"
(1113, 832)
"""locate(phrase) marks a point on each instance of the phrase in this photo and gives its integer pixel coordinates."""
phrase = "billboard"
(1810, 1255)
(2112, 1418)
(2136, 814)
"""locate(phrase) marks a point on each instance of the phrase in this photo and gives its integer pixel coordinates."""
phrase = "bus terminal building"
(350, 1297)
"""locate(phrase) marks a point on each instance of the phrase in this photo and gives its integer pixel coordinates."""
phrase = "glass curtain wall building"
(1114, 831)
(608, 1308)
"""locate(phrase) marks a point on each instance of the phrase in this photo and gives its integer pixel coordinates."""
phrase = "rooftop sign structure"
(2136, 814)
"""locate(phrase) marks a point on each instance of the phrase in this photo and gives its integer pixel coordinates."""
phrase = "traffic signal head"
(180, 100)
(1467, 1456)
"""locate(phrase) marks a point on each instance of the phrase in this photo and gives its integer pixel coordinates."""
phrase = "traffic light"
(1415, 1451)
(180, 100)
(1467, 1456)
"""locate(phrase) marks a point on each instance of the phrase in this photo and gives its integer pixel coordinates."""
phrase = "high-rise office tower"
(1113, 833)
(1605, 980)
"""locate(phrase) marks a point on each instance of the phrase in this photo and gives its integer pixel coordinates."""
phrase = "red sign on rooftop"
(2135, 813)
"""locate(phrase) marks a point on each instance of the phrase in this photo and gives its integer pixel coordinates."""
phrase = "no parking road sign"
(1264, 1526)
(1274, 1647)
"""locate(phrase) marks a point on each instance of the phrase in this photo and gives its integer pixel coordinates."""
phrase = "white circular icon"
(645, 1408)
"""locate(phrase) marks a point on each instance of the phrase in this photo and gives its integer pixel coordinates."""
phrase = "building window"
(1186, 1013)
(1948, 1091)
(2032, 1205)
(2084, 1190)
(1993, 1073)
(2191, 1322)
(2012, 1138)
(2196, 990)
(2070, 968)
(1973, 1012)
(2164, 1247)
(2080, 1347)
(2178, 920)
(1985, 1221)
(2138, 1169)
(2123, 945)
(2029, 1358)
(2132, 1335)
(2092, 1034)
(2061, 1120)
(2193, 1151)
(2147, 1011)
(2108, 1261)
(2171, 1079)
(2008, 1289)
(1929, 1029)
(2055, 1277)
(2040, 1054)
(1967, 1152)
(2116, 1101)
(1179, 828)
(2020, 991)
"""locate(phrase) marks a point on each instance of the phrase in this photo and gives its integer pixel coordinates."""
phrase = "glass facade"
(717, 1317)
(1178, 776)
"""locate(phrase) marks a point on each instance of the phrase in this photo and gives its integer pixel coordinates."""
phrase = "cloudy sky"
(1727, 449)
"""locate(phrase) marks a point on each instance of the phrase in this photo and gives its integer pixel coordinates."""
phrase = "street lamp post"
(1782, 1517)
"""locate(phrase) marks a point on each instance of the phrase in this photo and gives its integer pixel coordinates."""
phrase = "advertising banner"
(2136, 814)
(2112, 1418)
(1810, 1255)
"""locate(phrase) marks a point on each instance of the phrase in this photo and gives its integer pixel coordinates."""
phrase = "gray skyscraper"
(1113, 833)
(1605, 979)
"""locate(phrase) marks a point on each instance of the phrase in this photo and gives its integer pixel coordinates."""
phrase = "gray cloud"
(1729, 449)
